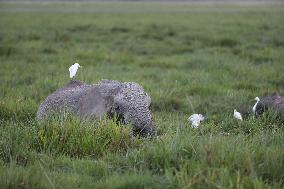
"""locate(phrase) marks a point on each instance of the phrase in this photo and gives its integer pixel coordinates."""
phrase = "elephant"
(274, 102)
(126, 100)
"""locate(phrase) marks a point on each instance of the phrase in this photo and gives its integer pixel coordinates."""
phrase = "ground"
(190, 58)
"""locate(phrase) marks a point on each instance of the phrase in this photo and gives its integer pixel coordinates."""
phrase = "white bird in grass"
(195, 120)
(254, 107)
(238, 115)
(73, 69)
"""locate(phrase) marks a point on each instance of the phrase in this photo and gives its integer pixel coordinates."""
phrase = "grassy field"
(190, 58)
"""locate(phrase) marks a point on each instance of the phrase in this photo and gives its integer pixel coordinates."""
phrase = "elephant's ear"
(92, 103)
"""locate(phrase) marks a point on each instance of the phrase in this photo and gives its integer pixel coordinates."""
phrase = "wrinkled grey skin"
(128, 101)
(273, 102)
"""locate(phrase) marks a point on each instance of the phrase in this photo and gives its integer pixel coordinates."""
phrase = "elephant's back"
(64, 99)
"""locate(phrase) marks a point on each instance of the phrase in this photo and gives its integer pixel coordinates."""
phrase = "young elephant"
(128, 101)
(274, 102)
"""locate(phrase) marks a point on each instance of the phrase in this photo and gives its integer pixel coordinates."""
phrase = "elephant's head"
(131, 104)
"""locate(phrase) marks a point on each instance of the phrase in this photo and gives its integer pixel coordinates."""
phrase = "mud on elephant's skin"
(128, 101)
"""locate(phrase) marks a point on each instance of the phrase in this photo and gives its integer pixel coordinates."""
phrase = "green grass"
(190, 58)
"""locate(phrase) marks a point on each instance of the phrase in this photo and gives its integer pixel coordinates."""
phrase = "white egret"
(195, 120)
(238, 115)
(73, 69)
(254, 107)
